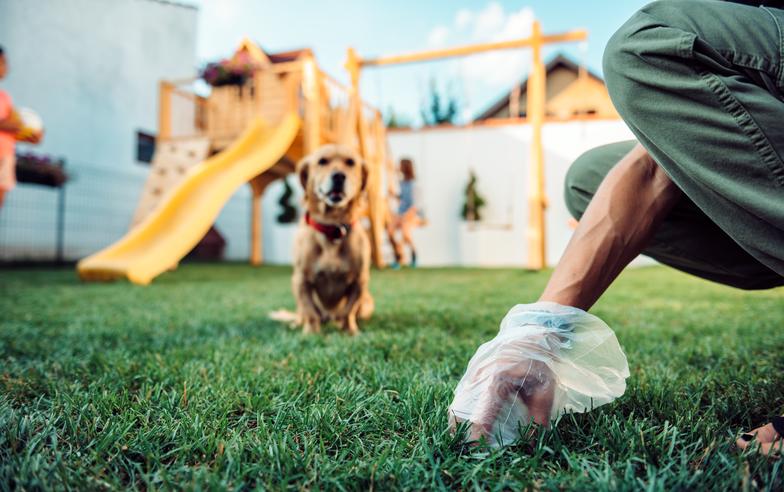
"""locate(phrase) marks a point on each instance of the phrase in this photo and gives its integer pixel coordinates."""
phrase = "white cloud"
(500, 68)
(438, 36)
(488, 21)
(463, 18)
(494, 70)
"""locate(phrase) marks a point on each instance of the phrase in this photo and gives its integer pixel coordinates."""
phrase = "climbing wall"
(171, 162)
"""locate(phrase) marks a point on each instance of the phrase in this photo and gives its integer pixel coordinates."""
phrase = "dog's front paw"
(350, 326)
(311, 326)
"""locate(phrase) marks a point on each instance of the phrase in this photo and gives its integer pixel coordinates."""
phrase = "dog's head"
(334, 176)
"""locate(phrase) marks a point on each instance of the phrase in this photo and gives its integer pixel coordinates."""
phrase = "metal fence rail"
(92, 210)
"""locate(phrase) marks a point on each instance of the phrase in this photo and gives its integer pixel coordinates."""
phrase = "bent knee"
(618, 60)
(629, 62)
(649, 30)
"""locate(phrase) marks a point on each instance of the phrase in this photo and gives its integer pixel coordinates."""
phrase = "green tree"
(288, 212)
(394, 120)
(472, 208)
(438, 109)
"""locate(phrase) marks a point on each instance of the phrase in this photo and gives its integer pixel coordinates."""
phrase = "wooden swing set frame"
(535, 101)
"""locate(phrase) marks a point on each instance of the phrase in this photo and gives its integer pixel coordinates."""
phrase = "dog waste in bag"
(547, 359)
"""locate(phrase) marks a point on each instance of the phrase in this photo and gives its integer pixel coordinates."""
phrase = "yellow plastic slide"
(187, 213)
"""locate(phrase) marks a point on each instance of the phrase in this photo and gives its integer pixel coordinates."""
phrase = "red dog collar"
(333, 232)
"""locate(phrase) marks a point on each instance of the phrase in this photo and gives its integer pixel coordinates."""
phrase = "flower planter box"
(40, 170)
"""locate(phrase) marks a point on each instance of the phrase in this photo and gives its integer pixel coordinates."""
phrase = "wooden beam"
(535, 102)
(355, 101)
(312, 92)
(258, 94)
(293, 83)
(514, 102)
(376, 199)
(362, 128)
(165, 90)
(256, 240)
(471, 49)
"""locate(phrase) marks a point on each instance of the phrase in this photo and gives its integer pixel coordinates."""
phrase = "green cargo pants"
(700, 84)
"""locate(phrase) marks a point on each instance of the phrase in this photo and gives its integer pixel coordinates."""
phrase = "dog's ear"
(302, 169)
(365, 172)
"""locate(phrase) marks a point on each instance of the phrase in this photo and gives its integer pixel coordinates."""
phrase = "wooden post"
(514, 101)
(582, 79)
(360, 126)
(293, 83)
(256, 238)
(535, 233)
(164, 110)
(311, 90)
(258, 96)
(376, 199)
(353, 64)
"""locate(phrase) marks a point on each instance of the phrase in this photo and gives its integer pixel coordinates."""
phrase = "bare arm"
(11, 124)
(627, 209)
(622, 217)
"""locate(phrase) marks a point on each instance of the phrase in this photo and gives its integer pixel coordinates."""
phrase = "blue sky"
(376, 27)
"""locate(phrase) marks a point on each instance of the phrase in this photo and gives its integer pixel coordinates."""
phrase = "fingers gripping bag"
(546, 360)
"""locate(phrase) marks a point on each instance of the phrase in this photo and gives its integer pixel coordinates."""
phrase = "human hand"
(33, 138)
(12, 123)
(547, 359)
(499, 390)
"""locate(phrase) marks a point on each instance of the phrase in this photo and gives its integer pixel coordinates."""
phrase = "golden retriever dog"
(331, 249)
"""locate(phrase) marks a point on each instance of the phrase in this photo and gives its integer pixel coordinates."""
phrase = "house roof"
(260, 55)
(287, 56)
(176, 3)
(558, 61)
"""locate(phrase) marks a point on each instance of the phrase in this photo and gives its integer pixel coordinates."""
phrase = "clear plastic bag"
(546, 360)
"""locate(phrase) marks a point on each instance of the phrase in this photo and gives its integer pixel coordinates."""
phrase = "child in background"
(408, 215)
(10, 126)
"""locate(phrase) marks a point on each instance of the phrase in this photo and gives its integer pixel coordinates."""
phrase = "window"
(145, 146)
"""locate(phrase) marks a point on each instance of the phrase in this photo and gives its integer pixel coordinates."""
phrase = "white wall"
(90, 68)
(279, 238)
(499, 157)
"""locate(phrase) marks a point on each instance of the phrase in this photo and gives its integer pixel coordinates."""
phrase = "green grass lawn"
(185, 383)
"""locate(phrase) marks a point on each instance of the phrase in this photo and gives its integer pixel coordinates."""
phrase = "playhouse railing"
(324, 103)
(226, 111)
(334, 111)
(182, 112)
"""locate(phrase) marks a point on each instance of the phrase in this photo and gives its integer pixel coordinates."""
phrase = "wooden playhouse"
(193, 127)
